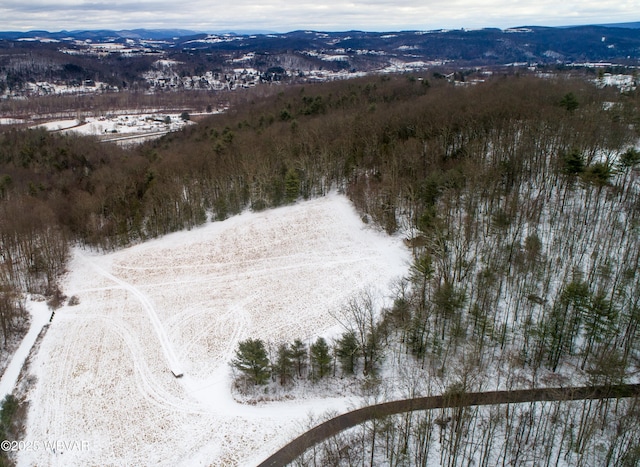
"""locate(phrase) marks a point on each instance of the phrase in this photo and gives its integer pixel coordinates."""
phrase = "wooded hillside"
(519, 197)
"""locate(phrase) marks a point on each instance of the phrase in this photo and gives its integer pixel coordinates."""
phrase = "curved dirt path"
(331, 427)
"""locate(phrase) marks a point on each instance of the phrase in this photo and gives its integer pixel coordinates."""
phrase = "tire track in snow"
(238, 331)
(167, 348)
(196, 387)
(235, 319)
(148, 388)
(54, 410)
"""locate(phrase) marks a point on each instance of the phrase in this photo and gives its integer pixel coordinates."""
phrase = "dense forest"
(519, 197)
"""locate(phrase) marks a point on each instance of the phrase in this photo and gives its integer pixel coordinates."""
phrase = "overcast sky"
(289, 15)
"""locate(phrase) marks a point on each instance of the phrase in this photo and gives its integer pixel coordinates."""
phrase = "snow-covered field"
(119, 124)
(123, 127)
(105, 391)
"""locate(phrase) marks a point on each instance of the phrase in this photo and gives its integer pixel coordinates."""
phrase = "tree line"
(357, 350)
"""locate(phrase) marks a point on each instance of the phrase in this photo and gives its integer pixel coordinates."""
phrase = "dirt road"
(342, 422)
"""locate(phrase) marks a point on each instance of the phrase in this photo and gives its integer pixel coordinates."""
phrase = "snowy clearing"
(128, 124)
(182, 303)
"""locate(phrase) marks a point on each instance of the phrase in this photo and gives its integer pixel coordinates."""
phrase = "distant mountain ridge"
(100, 34)
(171, 59)
(104, 34)
(635, 25)
(151, 34)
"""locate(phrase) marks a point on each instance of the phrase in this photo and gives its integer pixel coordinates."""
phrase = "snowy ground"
(40, 314)
(181, 303)
(123, 127)
(118, 126)
(11, 121)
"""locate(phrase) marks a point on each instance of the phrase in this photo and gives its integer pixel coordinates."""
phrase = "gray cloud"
(281, 15)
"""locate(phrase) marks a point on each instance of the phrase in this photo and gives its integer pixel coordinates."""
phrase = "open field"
(181, 304)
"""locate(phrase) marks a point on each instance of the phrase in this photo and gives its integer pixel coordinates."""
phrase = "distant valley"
(40, 63)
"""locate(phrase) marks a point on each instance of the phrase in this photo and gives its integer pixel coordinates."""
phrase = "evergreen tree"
(598, 173)
(573, 163)
(320, 357)
(629, 158)
(291, 186)
(564, 320)
(347, 352)
(252, 360)
(569, 102)
(8, 408)
(299, 356)
(283, 366)
(599, 318)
